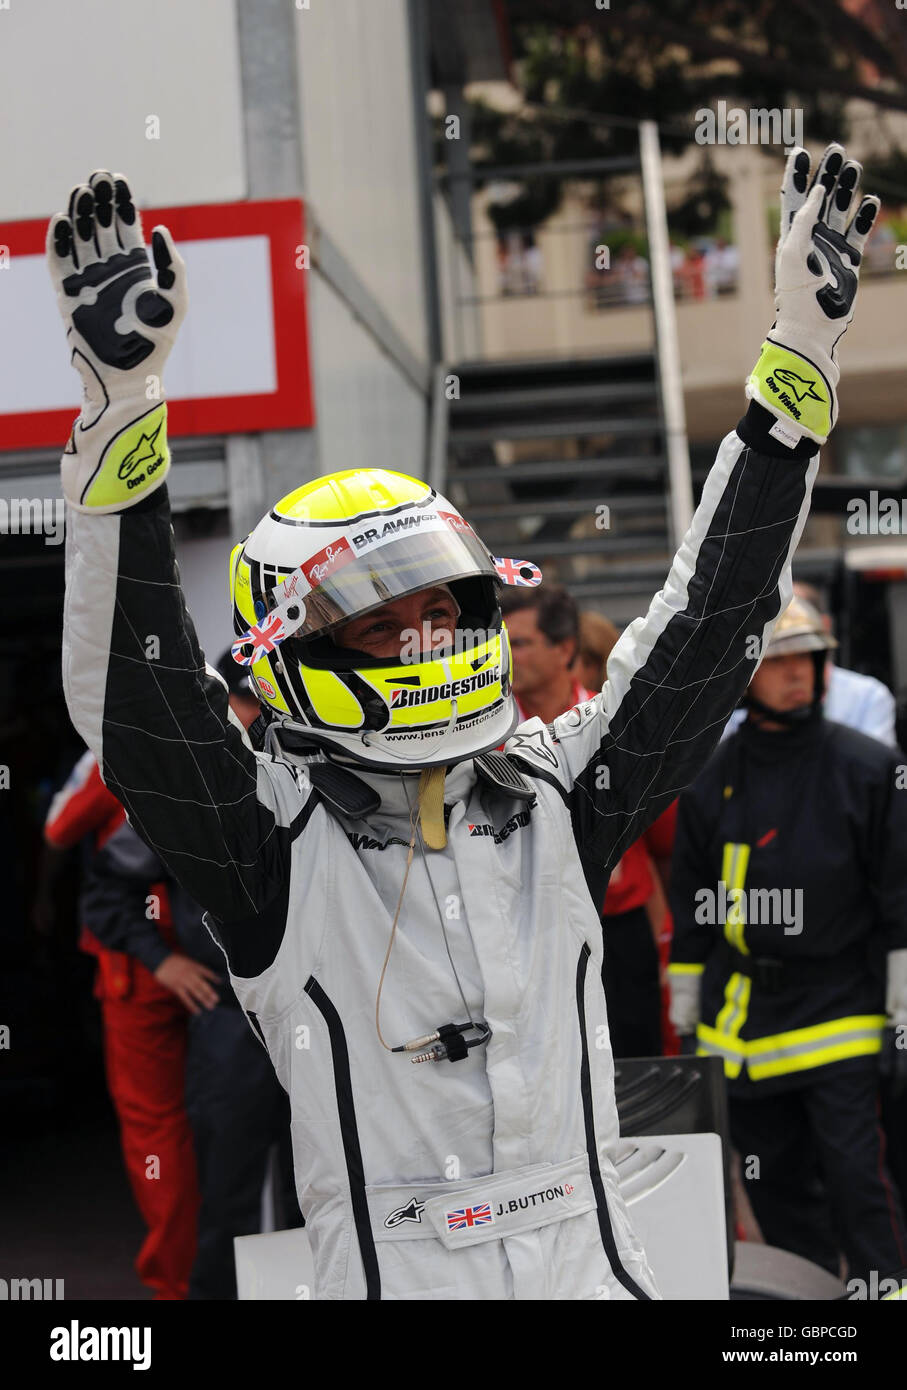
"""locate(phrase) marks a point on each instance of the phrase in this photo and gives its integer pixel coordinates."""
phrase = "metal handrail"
(438, 429)
(667, 346)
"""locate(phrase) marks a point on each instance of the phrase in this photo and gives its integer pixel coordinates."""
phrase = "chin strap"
(791, 718)
(431, 807)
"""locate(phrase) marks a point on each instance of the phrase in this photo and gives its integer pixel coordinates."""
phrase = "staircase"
(562, 463)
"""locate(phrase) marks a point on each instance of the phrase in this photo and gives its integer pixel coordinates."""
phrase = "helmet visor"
(346, 584)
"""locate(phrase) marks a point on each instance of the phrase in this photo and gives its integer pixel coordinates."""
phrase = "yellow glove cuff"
(133, 461)
(794, 390)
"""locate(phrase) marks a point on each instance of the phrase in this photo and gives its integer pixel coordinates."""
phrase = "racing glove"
(893, 1061)
(121, 316)
(817, 267)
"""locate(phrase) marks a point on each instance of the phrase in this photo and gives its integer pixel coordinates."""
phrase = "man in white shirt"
(862, 702)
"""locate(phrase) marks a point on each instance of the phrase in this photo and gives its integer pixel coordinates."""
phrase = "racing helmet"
(332, 551)
(799, 629)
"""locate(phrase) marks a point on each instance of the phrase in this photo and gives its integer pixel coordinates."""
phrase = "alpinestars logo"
(533, 743)
(144, 452)
(402, 698)
(517, 822)
(411, 1212)
(800, 385)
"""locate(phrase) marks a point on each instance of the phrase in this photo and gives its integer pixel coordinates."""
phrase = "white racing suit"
(489, 1177)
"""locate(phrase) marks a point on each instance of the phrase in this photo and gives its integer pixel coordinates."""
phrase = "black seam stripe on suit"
(343, 1085)
(598, 1187)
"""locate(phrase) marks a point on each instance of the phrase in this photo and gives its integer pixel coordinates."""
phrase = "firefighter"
(789, 894)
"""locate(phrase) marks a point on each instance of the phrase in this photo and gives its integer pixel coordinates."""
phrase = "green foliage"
(619, 237)
(641, 59)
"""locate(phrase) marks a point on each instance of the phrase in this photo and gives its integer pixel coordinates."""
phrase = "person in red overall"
(546, 637)
(143, 1009)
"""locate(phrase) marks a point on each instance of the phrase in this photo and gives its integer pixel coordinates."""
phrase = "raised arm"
(220, 816)
(677, 673)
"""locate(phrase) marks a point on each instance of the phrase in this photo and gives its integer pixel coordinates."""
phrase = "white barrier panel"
(673, 1185)
(277, 1266)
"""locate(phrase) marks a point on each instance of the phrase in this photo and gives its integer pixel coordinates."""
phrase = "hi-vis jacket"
(789, 888)
(487, 1178)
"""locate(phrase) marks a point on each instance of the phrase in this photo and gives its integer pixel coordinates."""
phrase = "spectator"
(631, 275)
(859, 701)
(677, 260)
(692, 274)
(532, 264)
(597, 635)
(722, 267)
(881, 250)
(543, 625)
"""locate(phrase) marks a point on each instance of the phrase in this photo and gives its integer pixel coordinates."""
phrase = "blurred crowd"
(705, 267)
(519, 259)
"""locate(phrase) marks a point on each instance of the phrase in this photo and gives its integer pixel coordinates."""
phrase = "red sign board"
(276, 230)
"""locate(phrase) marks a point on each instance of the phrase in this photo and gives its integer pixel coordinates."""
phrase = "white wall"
(369, 415)
(78, 79)
(460, 327)
(358, 148)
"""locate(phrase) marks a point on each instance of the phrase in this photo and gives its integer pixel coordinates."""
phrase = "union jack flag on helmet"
(522, 572)
(263, 638)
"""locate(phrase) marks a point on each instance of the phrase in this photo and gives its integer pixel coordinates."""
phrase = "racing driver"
(409, 917)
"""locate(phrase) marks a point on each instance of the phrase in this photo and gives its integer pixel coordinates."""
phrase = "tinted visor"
(346, 584)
